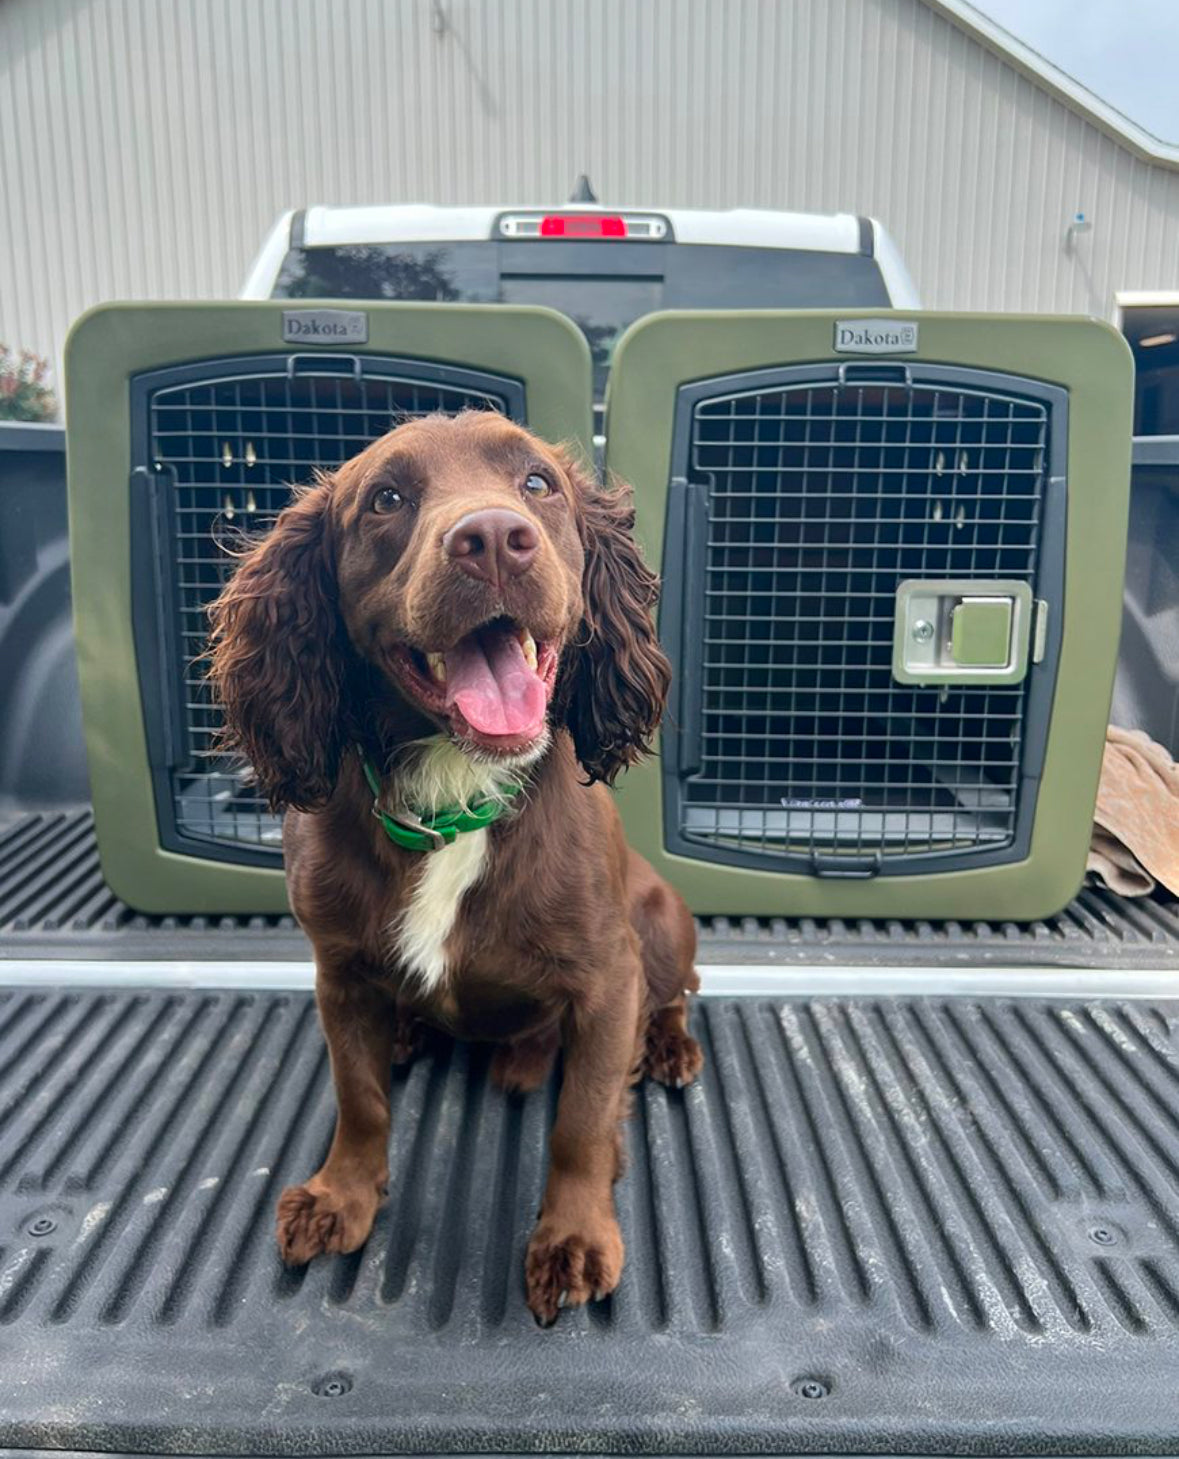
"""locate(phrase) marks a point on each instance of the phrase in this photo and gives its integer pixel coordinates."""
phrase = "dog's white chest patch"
(422, 931)
(434, 774)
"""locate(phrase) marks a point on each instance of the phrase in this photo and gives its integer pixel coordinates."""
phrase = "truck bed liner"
(54, 903)
(894, 1226)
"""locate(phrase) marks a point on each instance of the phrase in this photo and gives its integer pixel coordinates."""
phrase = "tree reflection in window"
(367, 271)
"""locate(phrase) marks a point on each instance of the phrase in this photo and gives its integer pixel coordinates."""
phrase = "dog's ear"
(616, 682)
(279, 661)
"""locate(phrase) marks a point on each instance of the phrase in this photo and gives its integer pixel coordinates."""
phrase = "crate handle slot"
(324, 365)
(865, 372)
(850, 868)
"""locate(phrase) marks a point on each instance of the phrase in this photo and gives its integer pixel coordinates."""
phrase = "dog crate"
(188, 427)
(892, 553)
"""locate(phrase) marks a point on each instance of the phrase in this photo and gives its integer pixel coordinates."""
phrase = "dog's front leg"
(334, 1210)
(576, 1251)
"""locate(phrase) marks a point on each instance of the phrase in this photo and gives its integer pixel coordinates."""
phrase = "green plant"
(24, 394)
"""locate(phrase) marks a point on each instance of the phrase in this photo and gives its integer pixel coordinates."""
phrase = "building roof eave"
(1059, 83)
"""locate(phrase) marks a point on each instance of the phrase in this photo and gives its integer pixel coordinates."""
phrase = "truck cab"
(603, 267)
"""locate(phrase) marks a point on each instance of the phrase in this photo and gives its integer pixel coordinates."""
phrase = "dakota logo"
(806, 803)
(875, 336)
(325, 326)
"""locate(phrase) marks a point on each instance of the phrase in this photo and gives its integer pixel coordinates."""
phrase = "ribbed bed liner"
(901, 1226)
(54, 903)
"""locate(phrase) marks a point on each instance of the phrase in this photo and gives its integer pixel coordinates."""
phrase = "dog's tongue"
(488, 679)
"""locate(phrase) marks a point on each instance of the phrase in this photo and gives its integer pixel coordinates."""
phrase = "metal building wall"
(147, 145)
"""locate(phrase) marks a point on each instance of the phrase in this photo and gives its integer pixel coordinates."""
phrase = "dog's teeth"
(528, 644)
(436, 663)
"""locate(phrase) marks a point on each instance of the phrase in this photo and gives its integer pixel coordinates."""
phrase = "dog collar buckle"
(405, 828)
(410, 821)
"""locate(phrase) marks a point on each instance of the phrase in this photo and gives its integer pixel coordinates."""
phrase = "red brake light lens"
(582, 225)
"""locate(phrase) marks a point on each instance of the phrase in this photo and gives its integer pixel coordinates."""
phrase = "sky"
(1127, 51)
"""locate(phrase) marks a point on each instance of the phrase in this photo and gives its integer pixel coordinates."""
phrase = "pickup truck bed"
(900, 1226)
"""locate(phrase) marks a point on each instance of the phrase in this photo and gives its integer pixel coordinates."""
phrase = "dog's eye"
(387, 500)
(536, 485)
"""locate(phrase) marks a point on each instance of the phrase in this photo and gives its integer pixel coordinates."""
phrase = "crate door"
(807, 508)
(217, 447)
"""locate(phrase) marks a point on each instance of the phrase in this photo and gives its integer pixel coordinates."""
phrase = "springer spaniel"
(438, 661)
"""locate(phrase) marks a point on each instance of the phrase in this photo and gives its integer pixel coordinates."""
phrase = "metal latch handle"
(962, 631)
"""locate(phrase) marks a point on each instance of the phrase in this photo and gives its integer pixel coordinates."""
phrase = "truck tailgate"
(876, 1225)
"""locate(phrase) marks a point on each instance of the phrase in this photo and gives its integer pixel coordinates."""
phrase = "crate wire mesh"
(233, 447)
(822, 498)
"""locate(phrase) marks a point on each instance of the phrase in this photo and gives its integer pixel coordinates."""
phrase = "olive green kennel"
(188, 423)
(892, 552)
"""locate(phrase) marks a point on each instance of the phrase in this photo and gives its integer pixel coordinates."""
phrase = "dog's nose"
(492, 545)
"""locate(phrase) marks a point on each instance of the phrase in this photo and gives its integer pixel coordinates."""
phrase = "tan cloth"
(1136, 824)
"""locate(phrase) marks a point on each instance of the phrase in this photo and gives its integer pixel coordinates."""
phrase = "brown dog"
(459, 618)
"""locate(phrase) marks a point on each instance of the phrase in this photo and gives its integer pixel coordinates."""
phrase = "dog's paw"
(314, 1219)
(672, 1056)
(570, 1263)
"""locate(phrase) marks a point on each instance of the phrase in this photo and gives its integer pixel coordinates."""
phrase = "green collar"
(411, 831)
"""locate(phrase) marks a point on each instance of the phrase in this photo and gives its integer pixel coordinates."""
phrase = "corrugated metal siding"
(147, 148)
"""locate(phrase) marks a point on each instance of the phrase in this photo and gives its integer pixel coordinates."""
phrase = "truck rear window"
(602, 287)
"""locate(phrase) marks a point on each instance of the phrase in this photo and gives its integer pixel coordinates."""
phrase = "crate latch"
(962, 631)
